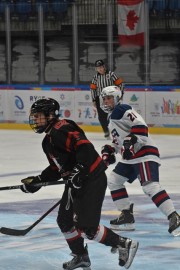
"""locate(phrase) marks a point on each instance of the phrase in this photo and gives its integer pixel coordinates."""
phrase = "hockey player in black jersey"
(73, 157)
(139, 159)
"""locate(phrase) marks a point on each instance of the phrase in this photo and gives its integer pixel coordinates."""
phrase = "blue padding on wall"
(84, 87)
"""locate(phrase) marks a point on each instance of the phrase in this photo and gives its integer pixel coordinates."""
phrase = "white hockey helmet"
(110, 91)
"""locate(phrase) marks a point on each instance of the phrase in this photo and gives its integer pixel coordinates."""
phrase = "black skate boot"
(127, 252)
(125, 221)
(107, 135)
(81, 261)
(174, 224)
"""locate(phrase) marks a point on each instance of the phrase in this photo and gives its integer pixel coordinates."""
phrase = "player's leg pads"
(90, 233)
(79, 261)
(116, 181)
(127, 253)
(151, 188)
(174, 224)
(125, 221)
(64, 227)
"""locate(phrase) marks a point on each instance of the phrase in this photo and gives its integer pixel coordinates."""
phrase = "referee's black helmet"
(99, 63)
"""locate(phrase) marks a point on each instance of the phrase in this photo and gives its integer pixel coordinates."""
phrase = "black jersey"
(65, 146)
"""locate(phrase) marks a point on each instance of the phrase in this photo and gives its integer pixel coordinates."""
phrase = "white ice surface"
(44, 248)
(21, 155)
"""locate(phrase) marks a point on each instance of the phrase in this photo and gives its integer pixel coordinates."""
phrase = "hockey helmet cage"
(50, 108)
(110, 91)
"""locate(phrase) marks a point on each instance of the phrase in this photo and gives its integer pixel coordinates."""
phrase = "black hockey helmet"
(99, 63)
(50, 108)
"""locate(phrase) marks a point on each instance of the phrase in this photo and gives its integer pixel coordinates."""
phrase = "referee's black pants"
(102, 116)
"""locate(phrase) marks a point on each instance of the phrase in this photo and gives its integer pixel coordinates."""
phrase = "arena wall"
(159, 106)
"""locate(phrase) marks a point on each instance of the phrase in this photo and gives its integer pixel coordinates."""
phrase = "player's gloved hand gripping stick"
(40, 184)
(127, 150)
(108, 154)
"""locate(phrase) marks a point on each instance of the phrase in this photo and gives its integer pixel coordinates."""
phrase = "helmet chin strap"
(50, 123)
(48, 128)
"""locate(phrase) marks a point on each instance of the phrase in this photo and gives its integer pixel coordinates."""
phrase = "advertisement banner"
(137, 100)
(85, 112)
(158, 108)
(66, 101)
(3, 113)
(64, 98)
(163, 109)
(19, 103)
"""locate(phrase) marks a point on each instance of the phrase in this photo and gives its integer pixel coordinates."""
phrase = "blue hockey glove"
(108, 154)
(127, 150)
(28, 182)
(75, 179)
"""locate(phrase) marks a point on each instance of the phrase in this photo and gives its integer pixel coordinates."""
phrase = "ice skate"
(127, 254)
(174, 224)
(125, 221)
(79, 261)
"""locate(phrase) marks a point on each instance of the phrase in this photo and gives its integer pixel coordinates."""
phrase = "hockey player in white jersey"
(139, 159)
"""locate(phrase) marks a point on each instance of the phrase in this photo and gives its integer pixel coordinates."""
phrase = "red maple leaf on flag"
(132, 19)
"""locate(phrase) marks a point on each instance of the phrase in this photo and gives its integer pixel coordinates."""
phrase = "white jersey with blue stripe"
(124, 120)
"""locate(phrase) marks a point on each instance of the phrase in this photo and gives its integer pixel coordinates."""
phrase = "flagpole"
(146, 42)
(110, 36)
(146, 47)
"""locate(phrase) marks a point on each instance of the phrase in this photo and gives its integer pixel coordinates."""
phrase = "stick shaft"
(16, 232)
(44, 215)
(43, 184)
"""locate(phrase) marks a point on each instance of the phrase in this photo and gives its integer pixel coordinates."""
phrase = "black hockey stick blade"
(16, 232)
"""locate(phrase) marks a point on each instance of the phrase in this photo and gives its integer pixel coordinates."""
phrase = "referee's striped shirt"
(100, 81)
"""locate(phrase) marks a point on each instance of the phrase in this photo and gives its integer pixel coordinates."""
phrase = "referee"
(101, 79)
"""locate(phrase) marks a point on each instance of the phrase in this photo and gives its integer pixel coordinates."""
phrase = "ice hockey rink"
(44, 247)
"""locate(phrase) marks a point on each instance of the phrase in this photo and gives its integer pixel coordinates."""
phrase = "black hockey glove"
(127, 150)
(108, 154)
(28, 182)
(75, 179)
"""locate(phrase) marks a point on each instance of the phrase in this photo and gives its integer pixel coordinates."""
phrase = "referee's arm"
(117, 81)
(93, 88)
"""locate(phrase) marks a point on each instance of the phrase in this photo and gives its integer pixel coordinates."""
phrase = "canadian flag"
(131, 22)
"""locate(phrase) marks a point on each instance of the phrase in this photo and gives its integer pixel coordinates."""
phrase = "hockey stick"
(16, 232)
(43, 184)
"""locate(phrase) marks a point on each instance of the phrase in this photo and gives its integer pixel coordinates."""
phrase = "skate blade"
(133, 250)
(86, 268)
(125, 227)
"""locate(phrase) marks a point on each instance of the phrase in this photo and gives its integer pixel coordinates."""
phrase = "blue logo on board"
(19, 103)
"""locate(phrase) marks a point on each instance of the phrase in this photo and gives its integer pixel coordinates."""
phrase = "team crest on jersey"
(107, 76)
